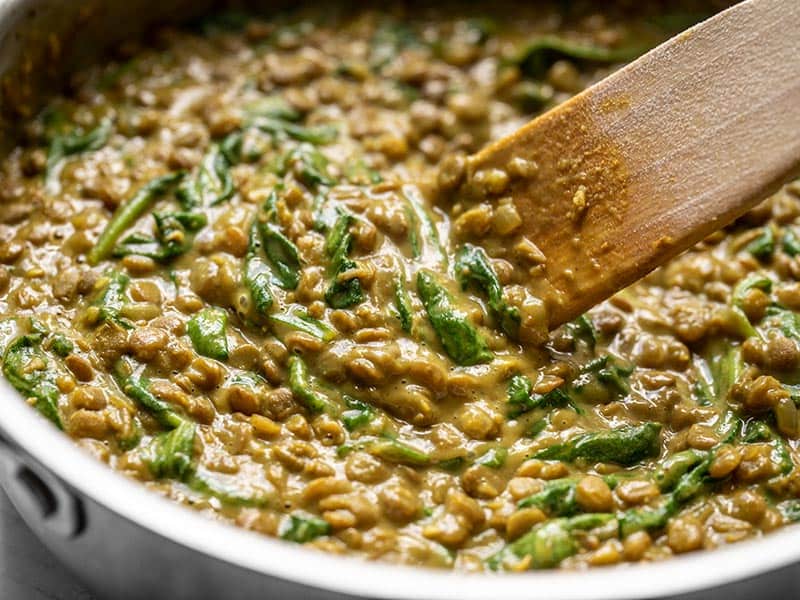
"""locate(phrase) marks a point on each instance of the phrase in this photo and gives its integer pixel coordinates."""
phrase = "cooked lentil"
(239, 267)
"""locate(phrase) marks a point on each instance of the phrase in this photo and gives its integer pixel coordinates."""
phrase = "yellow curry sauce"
(237, 266)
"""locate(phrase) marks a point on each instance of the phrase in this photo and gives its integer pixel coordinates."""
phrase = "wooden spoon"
(659, 155)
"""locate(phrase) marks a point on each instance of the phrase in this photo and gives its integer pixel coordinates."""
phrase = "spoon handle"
(659, 155)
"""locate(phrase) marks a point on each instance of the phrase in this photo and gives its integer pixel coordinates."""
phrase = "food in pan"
(239, 265)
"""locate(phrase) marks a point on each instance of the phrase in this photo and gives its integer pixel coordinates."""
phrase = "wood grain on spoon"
(659, 155)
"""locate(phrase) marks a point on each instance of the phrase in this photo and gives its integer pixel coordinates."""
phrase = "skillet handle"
(41, 499)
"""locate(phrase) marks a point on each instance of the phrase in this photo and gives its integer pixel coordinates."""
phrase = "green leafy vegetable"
(423, 234)
(558, 498)
(493, 458)
(689, 485)
(388, 41)
(402, 305)
(549, 543)
(303, 528)
(227, 494)
(788, 321)
(273, 107)
(282, 254)
(208, 331)
(257, 273)
(669, 472)
(639, 519)
(790, 242)
(343, 291)
(61, 345)
(473, 267)
(395, 451)
(522, 399)
(790, 510)
(69, 144)
(29, 370)
(320, 135)
(137, 387)
(170, 454)
(212, 184)
(624, 446)
(756, 431)
(111, 300)
(763, 246)
(535, 428)
(359, 173)
(582, 328)
(753, 281)
(726, 366)
(602, 380)
(172, 237)
(306, 324)
(540, 54)
(460, 338)
(304, 388)
(127, 214)
(358, 413)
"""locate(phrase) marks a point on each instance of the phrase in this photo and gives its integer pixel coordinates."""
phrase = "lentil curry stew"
(238, 265)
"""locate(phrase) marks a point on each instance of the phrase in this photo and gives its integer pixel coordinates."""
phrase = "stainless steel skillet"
(126, 542)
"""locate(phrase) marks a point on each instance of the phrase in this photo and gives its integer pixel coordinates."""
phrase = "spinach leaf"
(624, 446)
(320, 135)
(689, 485)
(303, 528)
(69, 144)
(128, 213)
(272, 107)
(790, 242)
(212, 184)
(726, 367)
(763, 246)
(787, 321)
(306, 324)
(343, 291)
(494, 458)
(790, 510)
(522, 399)
(283, 255)
(304, 389)
(388, 41)
(473, 267)
(669, 472)
(402, 305)
(460, 338)
(257, 273)
(602, 380)
(111, 300)
(582, 328)
(548, 543)
(172, 237)
(208, 332)
(137, 388)
(28, 369)
(753, 281)
(358, 413)
(395, 451)
(61, 345)
(539, 55)
(423, 234)
(170, 454)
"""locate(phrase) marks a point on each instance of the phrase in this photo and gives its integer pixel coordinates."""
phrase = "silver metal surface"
(126, 542)
(39, 496)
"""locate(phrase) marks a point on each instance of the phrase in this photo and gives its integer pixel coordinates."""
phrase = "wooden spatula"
(659, 155)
